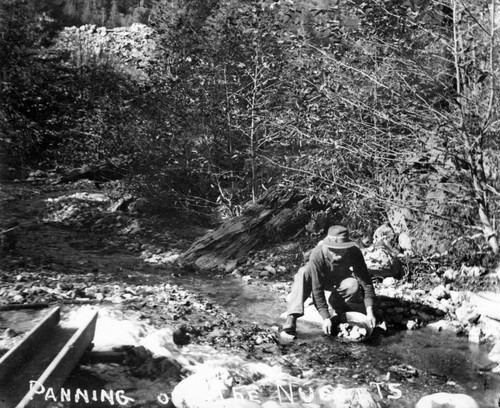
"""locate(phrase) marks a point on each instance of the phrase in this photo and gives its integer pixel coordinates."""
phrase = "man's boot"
(290, 326)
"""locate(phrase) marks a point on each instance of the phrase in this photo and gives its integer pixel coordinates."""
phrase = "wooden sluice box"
(46, 355)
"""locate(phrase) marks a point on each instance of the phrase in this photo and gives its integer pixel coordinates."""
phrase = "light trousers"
(345, 296)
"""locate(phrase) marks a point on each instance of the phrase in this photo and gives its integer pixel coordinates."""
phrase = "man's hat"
(338, 238)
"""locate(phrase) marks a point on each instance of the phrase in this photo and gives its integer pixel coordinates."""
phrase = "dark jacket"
(327, 273)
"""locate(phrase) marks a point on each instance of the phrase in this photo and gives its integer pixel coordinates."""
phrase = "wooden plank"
(26, 349)
(17, 385)
(56, 373)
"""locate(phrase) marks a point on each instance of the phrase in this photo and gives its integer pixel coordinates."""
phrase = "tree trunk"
(279, 214)
(482, 203)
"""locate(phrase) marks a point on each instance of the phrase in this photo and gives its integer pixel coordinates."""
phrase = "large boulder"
(446, 400)
(381, 261)
(203, 388)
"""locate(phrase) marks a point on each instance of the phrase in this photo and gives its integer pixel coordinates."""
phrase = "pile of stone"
(130, 49)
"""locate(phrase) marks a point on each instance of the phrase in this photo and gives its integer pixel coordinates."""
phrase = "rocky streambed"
(176, 329)
(395, 368)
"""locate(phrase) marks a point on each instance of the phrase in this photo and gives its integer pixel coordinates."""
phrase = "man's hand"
(327, 326)
(371, 316)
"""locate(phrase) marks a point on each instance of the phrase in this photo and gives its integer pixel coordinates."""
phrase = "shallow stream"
(398, 366)
(420, 361)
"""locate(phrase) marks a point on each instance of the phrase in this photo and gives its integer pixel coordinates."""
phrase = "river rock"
(472, 271)
(467, 314)
(441, 325)
(5, 197)
(424, 317)
(271, 269)
(440, 292)
(350, 398)
(233, 403)
(445, 305)
(475, 335)
(496, 272)
(411, 324)
(456, 297)
(381, 262)
(231, 266)
(181, 336)
(390, 281)
(9, 333)
(450, 275)
(405, 243)
(202, 388)
(447, 400)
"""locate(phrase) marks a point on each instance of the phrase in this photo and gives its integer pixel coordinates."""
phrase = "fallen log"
(279, 214)
(232, 240)
(98, 172)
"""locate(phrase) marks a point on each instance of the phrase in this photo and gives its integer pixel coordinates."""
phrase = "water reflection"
(422, 361)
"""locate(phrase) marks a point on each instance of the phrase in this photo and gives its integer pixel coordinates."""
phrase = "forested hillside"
(372, 111)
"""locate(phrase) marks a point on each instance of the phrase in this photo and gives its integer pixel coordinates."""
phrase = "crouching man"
(336, 264)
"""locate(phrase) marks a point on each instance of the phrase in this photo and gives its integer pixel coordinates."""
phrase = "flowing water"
(420, 362)
(398, 366)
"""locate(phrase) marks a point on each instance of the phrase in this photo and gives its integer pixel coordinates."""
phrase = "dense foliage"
(388, 107)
